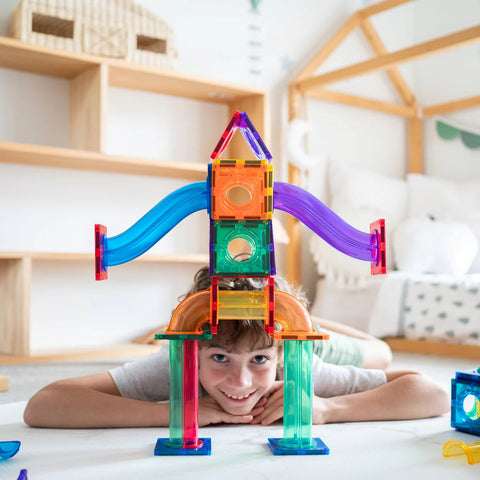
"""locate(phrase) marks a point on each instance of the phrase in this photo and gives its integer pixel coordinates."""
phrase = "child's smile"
(237, 380)
(233, 397)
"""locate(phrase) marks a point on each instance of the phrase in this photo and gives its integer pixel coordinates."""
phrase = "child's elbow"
(440, 399)
(445, 401)
(428, 398)
(30, 414)
(39, 403)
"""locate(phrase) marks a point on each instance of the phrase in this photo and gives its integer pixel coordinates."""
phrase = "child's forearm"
(77, 406)
(408, 396)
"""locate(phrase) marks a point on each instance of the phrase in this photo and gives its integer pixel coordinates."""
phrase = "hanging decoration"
(255, 3)
(255, 42)
(447, 131)
(310, 166)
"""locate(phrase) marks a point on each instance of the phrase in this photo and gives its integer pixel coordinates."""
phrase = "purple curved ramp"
(324, 222)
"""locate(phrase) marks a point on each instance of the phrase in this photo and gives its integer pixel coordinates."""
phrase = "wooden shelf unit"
(15, 284)
(90, 77)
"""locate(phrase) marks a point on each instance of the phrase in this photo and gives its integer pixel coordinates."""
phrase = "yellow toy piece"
(194, 311)
(457, 447)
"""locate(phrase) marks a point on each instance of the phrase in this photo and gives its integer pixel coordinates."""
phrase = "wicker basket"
(111, 28)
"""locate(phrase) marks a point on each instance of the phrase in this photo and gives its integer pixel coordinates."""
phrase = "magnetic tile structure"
(465, 409)
(240, 197)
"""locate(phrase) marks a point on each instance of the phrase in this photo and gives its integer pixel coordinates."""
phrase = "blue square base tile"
(163, 448)
(318, 448)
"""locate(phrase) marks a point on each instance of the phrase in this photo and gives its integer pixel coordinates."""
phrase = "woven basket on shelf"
(111, 28)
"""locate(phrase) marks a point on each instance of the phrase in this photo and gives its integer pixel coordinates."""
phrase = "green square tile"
(258, 235)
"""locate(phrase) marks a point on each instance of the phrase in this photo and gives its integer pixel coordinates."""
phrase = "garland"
(449, 132)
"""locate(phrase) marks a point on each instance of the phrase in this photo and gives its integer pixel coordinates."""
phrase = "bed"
(442, 305)
(431, 299)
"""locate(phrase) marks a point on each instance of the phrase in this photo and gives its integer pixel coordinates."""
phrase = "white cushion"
(361, 189)
(446, 200)
(350, 307)
(422, 245)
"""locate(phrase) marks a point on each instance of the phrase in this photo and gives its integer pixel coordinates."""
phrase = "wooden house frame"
(309, 85)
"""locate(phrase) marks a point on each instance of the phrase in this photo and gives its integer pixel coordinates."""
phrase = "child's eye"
(218, 357)
(259, 359)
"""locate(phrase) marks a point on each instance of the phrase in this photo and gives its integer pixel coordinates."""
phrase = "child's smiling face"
(237, 380)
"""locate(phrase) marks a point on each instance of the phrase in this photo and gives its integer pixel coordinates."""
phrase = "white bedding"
(431, 307)
(352, 307)
(433, 225)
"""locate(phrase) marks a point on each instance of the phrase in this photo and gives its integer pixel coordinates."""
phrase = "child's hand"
(210, 412)
(270, 406)
(319, 410)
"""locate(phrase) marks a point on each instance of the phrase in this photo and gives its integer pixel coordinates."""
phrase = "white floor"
(24, 380)
(371, 450)
(440, 368)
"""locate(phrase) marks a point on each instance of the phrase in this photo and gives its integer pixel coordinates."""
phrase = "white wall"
(53, 209)
(452, 75)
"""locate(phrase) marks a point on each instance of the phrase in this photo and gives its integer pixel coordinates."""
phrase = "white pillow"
(446, 200)
(361, 189)
(338, 267)
(352, 308)
(359, 197)
(434, 246)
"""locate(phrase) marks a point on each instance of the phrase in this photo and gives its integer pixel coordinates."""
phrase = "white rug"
(405, 450)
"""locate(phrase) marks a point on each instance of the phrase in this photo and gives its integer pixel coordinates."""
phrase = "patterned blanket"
(431, 307)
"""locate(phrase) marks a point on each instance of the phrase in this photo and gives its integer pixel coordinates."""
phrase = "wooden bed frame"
(308, 85)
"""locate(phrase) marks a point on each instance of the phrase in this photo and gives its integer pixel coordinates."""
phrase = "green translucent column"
(298, 391)
(176, 393)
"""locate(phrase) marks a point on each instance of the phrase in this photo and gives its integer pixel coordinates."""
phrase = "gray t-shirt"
(148, 378)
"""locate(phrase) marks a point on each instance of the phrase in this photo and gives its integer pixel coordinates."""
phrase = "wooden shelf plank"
(201, 258)
(123, 351)
(140, 77)
(43, 60)
(44, 156)
(60, 63)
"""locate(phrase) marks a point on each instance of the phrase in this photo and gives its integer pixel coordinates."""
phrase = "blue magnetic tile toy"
(465, 413)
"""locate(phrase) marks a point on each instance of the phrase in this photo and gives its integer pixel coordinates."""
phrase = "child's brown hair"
(237, 335)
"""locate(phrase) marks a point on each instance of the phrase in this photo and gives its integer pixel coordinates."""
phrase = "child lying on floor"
(240, 372)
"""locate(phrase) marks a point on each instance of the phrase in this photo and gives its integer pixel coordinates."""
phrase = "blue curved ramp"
(154, 225)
